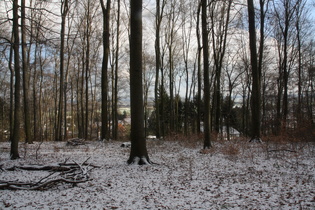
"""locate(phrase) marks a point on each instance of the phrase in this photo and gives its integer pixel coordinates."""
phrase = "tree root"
(139, 161)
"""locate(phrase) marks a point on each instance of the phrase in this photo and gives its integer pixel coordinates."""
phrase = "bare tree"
(233, 73)
(158, 21)
(171, 44)
(186, 16)
(284, 18)
(300, 26)
(220, 18)
(148, 75)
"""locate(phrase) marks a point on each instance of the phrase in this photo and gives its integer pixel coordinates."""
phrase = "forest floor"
(231, 175)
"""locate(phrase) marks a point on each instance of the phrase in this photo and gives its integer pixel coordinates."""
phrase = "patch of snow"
(183, 178)
(126, 144)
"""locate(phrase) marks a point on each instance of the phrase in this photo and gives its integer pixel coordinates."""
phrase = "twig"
(45, 178)
(281, 150)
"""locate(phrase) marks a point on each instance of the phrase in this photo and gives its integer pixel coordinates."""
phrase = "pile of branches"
(76, 142)
(61, 173)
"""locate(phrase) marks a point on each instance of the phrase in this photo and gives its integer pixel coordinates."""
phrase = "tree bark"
(256, 92)
(64, 11)
(158, 20)
(14, 153)
(12, 70)
(87, 70)
(138, 153)
(199, 70)
(205, 41)
(104, 115)
(115, 111)
(26, 78)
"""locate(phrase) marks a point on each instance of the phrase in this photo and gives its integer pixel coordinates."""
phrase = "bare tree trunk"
(12, 70)
(82, 116)
(40, 114)
(138, 153)
(205, 41)
(186, 41)
(36, 106)
(26, 78)
(104, 116)
(116, 74)
(72, 108)
(14, 154)
(284, 20)
(64, 10)
(219, 40)
(79, 100)
(199, 70)
(263, 4)
(171, 87)
(170, 39)
(87, 70)
(256, 92)
(299, 25)
(158, 20)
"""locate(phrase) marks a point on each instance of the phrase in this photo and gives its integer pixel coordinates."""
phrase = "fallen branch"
(39, 168)
(282, 150)
(31, 186)
(75, 142)
(65, 173)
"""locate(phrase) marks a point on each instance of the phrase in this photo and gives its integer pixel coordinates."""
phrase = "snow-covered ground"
(232, 175)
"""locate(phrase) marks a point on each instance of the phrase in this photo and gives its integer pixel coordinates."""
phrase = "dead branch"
(39, 168)
(75, 142)
(282, 150)
(64, 173)
(41, 186)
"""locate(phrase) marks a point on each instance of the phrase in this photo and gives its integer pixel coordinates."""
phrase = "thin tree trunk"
(158, 20)
(262, 4)
(199, 70)
(87, 71)
(64, 11)
(205, 41)
(14, 154)
(26, 78)
(12, 70)
(116, 74)
(40, 114)
(104, 115)
(219, 46)
(82, 95)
